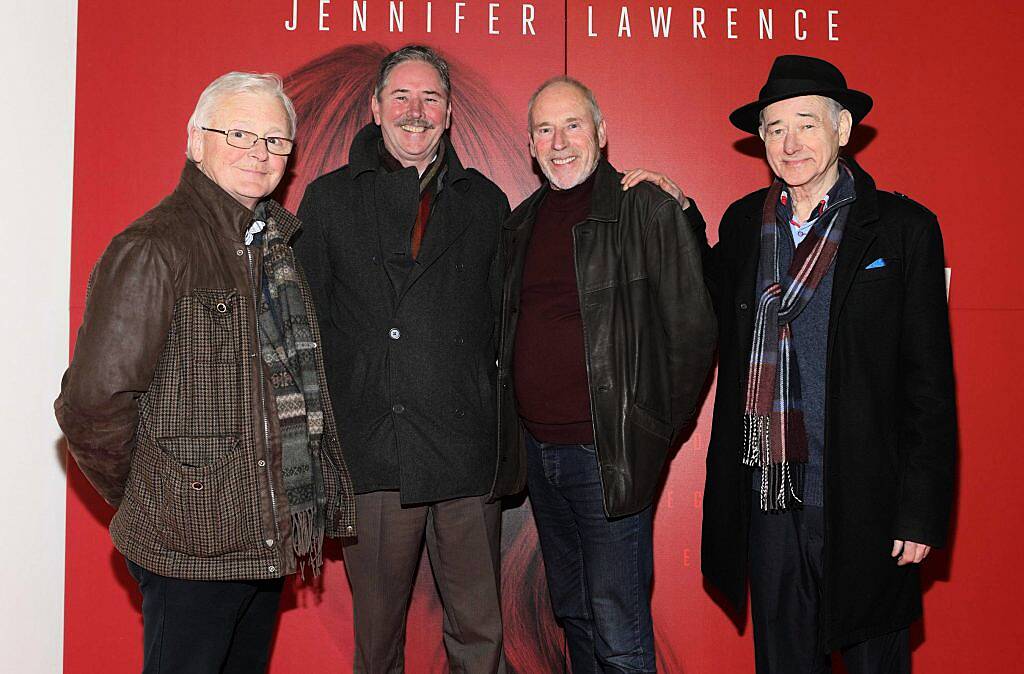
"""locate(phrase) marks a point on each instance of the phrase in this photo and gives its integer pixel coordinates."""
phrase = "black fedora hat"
(793, 75)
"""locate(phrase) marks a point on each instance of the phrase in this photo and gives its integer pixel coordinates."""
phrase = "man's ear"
(602, 134)
(195, 144)
(375, 108)
(845, 127)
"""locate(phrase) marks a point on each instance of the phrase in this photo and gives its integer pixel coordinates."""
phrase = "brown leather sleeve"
(127, 314)
(673, 260)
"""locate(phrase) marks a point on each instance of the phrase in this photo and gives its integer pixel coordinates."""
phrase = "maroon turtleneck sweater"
(550, 364)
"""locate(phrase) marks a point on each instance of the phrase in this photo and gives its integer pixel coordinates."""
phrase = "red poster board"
(946, 83)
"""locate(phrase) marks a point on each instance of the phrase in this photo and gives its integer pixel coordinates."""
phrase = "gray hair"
(237, 83)
(588, 96)
(834, 107)
(413, 52)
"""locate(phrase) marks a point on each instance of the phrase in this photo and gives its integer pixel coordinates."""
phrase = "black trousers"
(786, 551)
(206, 627)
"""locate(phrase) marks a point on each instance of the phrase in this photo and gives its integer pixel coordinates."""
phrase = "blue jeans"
(599, 570)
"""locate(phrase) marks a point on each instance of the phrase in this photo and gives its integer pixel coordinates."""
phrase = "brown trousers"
(463, 539)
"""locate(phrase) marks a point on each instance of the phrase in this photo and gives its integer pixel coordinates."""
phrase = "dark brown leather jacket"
(166, 406)
(649, 333)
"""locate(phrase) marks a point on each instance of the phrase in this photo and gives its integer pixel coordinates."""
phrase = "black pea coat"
(890, 417)
(410, 357)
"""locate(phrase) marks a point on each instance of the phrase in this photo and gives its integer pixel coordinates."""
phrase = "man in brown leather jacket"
(606, 340)
(196, 402)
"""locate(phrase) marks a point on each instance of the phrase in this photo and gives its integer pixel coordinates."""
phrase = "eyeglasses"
(244, 140)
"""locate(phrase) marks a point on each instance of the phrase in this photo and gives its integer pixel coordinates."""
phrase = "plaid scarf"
(774, 436)
(289, 351)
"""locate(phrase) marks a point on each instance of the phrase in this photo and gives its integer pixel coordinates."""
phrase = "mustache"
(414, 121)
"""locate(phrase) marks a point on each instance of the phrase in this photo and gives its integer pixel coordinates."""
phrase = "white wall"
(37, 51)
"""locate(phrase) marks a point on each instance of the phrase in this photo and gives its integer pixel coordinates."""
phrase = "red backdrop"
(947, 88)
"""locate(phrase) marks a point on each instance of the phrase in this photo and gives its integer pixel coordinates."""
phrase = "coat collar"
(227, 217)
(858, 236)
(216, 207)
(605, 200)
(363, 155)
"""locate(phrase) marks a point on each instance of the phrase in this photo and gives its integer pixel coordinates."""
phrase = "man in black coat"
(401, 252)
(831, 464)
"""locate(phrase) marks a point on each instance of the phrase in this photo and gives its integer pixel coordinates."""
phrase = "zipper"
(263, 399)
(586, 354)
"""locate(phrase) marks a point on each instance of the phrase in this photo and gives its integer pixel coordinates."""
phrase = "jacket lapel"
(444, 227)
(747, 291)
(857, 237)
(450, 215)
(395, 216)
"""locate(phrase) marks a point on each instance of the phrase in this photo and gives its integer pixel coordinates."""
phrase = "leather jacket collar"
(221, 211)
(604, 205)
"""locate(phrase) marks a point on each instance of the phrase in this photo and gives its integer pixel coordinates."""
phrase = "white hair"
(588, 97)
(834, 107)
(236, 83)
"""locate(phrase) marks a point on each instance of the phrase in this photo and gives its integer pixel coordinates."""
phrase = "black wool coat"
(890, 416)
(410, 355)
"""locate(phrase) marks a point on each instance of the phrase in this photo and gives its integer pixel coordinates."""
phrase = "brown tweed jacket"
(166, 406)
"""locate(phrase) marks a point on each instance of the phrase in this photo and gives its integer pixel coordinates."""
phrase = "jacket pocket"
(214, 322)
(891, 269)
(643, 418)
(210, 497)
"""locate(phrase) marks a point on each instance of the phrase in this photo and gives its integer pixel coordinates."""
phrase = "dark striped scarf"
(774, 435)
(429, 181)
(289, 351)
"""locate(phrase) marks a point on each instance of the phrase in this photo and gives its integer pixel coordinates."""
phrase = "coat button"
(349, 529)
(239, 252)
(222, 308)
(271, 568)
(269, 542)
(197, 485)
(395, 333)
(460, 413)
(261, 463)
(743, 306)
(398, 408)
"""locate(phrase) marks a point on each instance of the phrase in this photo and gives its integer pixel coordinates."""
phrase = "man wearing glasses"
(196, 402)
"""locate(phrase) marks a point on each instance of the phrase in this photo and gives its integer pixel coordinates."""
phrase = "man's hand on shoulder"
(639, 175)
(909, 552)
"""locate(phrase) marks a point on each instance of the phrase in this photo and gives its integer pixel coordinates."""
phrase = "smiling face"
(247, 175)
(802, 143)
(413, 112)
(563, 137)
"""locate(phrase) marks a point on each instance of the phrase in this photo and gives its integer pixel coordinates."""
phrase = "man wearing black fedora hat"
(832, 455)
(831, 463)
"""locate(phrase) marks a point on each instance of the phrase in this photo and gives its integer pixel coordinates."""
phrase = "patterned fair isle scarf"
(774, 436)
(290, 354)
